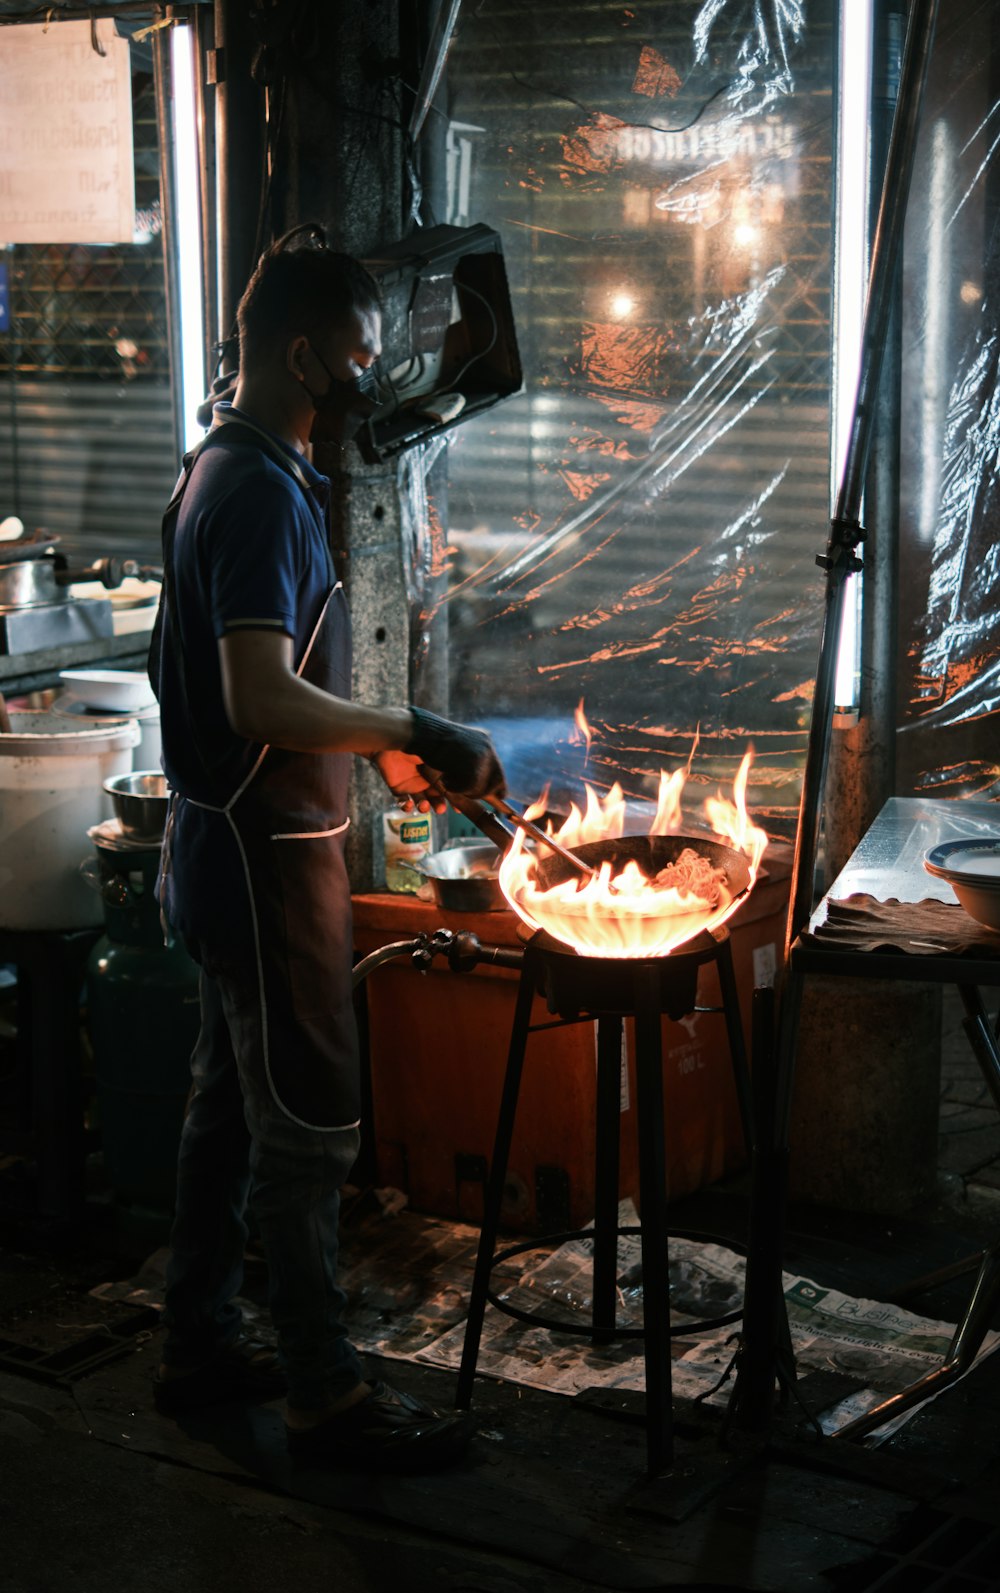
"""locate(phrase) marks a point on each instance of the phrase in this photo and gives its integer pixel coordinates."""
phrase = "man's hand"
(464, 759)
(401, 773)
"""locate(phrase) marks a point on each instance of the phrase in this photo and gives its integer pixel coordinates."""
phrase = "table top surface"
(888, 863)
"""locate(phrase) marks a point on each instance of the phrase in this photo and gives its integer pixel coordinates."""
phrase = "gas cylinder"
(142, 1018)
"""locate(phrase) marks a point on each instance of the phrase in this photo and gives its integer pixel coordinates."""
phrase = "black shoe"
(386, 1431)
(243, 1370)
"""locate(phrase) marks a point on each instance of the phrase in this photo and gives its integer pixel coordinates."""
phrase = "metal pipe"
(840, 559)
(437, 55)
(239, 156)
(162, 81)
(961, 1354)
(204, 37)
(375, 959)
(863, 753)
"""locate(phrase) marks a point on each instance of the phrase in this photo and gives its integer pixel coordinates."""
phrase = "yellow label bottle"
(407, 837)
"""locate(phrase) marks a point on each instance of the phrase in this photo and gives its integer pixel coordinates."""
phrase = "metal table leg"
(971, 1331)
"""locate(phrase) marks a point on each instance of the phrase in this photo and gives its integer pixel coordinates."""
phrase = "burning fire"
(580, 720)
(620, 911)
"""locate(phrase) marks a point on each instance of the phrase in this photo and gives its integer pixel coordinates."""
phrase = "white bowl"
(122, 689)
(972, 869)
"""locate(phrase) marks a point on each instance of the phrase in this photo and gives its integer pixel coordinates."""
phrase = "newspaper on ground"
(408, 1280)
(409, 1290)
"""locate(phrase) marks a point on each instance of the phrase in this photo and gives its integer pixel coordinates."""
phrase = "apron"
(288, 819)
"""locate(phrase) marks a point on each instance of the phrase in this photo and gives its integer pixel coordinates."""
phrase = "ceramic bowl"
(122, 690)
(972, 869)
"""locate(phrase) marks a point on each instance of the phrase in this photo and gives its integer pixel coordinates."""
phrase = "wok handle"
(486, 820)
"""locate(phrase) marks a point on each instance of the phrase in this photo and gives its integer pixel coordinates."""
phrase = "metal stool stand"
(655, 988)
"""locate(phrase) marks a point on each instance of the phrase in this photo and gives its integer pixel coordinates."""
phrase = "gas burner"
(572, 983)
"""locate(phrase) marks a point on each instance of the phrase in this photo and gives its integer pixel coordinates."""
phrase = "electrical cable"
(464, 287)
(422, 399)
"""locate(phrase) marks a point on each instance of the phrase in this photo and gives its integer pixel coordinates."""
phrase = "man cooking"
(252, 664)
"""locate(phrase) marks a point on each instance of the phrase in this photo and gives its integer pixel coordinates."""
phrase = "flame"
(580, 719)
(619, 912)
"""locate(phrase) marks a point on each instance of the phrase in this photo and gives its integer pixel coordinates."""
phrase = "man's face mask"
(342, 410)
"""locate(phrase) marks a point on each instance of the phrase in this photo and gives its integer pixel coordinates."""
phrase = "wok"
(651, 853)
(647, 924)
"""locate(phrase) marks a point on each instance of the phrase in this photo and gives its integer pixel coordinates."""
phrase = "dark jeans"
(238, 1143)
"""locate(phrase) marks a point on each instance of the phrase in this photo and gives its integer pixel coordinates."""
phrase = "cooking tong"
(484, 817)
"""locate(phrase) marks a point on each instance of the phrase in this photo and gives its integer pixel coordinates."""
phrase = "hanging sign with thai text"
(66, 172)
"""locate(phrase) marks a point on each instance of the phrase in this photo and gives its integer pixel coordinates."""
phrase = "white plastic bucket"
(51, 792)
(147, 753)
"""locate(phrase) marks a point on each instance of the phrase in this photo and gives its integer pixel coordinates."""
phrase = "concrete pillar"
(368, 553)
(340, 161)
(867, 1085)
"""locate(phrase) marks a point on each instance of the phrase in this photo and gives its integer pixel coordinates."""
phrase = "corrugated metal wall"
(86, 445)
(90, 462)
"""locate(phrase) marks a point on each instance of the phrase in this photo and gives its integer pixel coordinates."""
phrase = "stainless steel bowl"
(463, 878)
(140, 802)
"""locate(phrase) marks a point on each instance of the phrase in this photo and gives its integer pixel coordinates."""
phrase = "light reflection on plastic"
(935, 394)
(662, 542)
(849, 295)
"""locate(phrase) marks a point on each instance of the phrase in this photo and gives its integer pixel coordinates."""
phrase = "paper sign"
(66, 173)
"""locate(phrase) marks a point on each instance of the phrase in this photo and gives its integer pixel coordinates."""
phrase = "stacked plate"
(972, 869)
(110, 690)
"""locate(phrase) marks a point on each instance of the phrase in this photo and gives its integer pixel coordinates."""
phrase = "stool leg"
(734, 1030)
(495, 1185)
(606, 1168)
(653, 1194)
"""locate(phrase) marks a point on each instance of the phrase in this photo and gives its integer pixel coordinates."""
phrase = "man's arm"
(418, 755)
(267, 702)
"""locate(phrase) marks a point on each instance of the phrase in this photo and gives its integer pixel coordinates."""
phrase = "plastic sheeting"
(950, 496)
(637, 530)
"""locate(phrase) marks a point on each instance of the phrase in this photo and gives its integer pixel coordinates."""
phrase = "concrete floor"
(100, 1494)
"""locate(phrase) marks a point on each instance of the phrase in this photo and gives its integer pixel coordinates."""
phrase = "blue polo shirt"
(250, 551)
